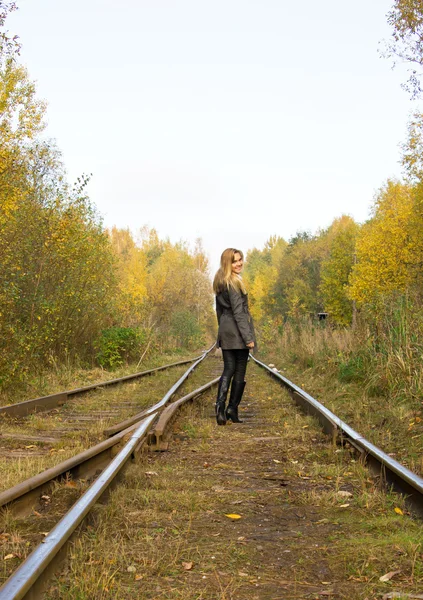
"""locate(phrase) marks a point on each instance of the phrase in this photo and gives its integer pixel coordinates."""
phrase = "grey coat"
(236, 327)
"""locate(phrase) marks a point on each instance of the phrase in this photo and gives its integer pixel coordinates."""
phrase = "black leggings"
(235, 364)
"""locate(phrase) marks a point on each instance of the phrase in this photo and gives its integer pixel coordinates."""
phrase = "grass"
(74, 435)
(68, 376)
(165, 533)
(331, 365)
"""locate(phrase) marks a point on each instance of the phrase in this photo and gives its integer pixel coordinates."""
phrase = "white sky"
(227, 120)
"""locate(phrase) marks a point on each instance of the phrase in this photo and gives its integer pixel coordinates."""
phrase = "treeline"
(346, 267)
(68, 287)
(367, 278)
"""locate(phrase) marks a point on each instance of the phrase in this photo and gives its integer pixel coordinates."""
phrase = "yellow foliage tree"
(132, 276)
(336, 270)
(385, 249)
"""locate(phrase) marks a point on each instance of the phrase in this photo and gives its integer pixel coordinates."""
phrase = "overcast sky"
(227, 120)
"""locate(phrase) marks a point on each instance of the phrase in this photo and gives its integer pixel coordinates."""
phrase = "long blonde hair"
(224, 276)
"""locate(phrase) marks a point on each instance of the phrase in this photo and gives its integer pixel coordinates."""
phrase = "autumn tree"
(385, 248)
(261, 273)
(406, 42)
(336, 270)
(131, 272)
(297, 285)
(9, 45)
(56, 265)
(164, 288)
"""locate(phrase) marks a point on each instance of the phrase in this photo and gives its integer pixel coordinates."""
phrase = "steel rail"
(156, 436)
(392, 472)
(21, 409)
(20, 584)
(86, 464)
(26, 582)
(123, 424)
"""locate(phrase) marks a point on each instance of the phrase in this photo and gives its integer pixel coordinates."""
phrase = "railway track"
(127, 440)
(37, 434)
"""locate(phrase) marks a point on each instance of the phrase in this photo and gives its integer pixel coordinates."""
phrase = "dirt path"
(266, 509)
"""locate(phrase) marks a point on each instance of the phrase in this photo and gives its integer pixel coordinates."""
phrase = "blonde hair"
(224, 276)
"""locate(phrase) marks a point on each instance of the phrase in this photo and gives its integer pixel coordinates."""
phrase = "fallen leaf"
(343, 505)
(187, 565)
(344, 494)
(31, 446)
(138, 577)
(241, 574)
(233, 516)
(388, 576)
(36, 513)
(398, 511)
(131, 569)
(150, 473)
(70, 484)
(275, 460)
(8, 556)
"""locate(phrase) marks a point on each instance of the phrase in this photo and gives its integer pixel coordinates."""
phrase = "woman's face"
(237, 263)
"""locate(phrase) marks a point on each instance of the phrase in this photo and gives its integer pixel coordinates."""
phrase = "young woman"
(236, 333)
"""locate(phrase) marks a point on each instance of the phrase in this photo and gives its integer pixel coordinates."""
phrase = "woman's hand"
(250, 345)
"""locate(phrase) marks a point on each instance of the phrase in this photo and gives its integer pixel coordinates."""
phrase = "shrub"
(118, 345)
(186, 329)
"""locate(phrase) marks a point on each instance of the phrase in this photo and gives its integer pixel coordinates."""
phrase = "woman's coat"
(236, 327)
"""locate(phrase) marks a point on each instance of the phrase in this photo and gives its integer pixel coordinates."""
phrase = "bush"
(186, 330)
(118, 345)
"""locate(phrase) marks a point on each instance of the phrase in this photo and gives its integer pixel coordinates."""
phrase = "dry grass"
(164, 533)
(98, 410)
(67, 376)
(377, 393)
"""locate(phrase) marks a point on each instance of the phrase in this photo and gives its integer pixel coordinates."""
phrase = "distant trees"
(346, 265)
(164, 287)
(307, 275)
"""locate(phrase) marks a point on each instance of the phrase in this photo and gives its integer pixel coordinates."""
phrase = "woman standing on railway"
(236, 333)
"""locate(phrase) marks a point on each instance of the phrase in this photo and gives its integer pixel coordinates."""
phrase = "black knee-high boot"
(222, 393)
(237, 390)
